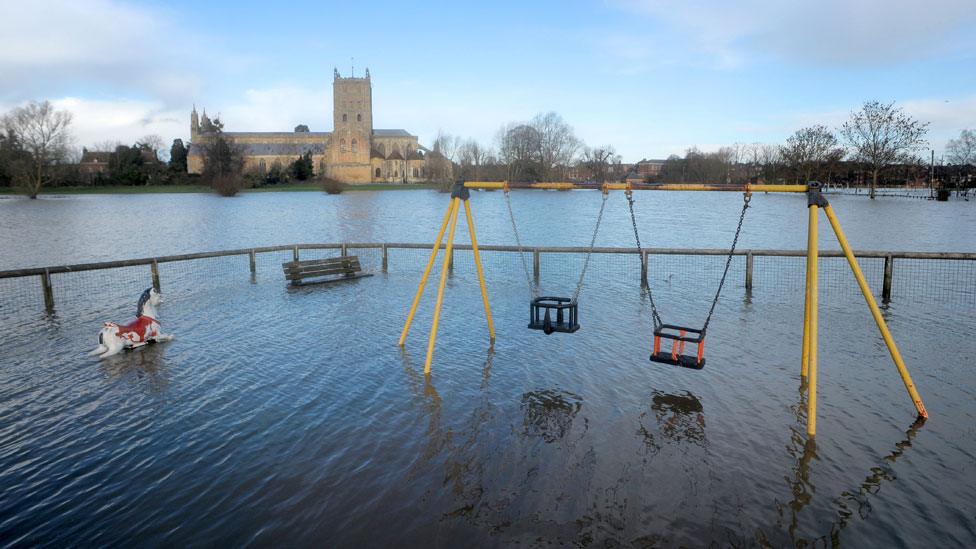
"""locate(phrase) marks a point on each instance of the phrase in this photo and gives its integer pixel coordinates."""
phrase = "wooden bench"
(320, 271)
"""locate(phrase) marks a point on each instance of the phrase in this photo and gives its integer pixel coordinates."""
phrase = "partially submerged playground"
(666, 386)
(551, 314)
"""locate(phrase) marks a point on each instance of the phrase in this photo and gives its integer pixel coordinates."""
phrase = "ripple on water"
(292, 416)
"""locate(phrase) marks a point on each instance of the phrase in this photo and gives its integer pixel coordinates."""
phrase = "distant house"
(95, 162)
(633, 177)
(649, 168)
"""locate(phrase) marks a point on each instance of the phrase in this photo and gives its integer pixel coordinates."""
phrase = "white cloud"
(52, 47)
(829, 32)
(277, 108)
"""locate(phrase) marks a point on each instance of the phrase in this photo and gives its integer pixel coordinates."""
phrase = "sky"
(649, 77)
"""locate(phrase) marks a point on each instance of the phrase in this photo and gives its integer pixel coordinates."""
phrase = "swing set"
(552, 314)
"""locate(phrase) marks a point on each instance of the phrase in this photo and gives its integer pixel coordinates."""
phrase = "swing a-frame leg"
(809, 366)
(458, 195)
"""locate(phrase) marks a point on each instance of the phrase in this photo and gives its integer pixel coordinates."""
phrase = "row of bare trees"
(544, 148)
(876, 138)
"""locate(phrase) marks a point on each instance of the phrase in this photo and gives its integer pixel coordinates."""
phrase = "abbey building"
(354, 152)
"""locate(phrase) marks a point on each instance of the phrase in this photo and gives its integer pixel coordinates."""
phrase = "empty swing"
(552, 314)
(680, 335)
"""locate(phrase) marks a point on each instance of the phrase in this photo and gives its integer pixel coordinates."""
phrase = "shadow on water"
(850, 504)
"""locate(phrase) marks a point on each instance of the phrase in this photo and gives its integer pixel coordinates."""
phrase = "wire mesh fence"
(923, 277)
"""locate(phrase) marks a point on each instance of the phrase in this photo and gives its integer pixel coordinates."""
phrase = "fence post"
(155, 276)
(386, 260)
(252, 261)
(48, 292)
(886, 287)
(343, 250)
(643, 268)
(535, 264)
(749, 272)
(294, 252)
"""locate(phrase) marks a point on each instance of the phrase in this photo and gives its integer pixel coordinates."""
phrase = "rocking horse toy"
(113, 339)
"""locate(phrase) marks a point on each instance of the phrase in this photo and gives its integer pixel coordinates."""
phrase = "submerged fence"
(942, 276)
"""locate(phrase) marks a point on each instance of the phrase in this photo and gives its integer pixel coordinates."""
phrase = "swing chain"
(640, 253)
(518, 241)
(586, 262)
(746, 197)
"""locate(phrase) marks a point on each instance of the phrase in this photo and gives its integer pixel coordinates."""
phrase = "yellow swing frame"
(808, 371)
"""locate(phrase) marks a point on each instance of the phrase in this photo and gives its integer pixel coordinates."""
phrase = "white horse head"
(113, 338)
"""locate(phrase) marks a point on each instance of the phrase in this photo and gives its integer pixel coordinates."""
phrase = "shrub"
(331, 186)
(226, 185)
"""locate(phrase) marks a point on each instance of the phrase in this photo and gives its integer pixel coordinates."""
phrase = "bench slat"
(346, 267)
(316, 262)
(322, 272)
(327, 280)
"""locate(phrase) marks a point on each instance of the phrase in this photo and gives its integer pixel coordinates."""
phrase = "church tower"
(352, 116)
(194, 123)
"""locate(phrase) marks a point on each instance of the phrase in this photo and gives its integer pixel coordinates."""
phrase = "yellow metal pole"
(432, 338)
(876, 313)
(812, 256)
(423, 279)
(481, 274)
(811, 244)
(640, 187)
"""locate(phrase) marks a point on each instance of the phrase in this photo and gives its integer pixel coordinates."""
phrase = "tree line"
(878, 144)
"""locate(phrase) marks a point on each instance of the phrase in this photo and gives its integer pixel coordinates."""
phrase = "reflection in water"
(549, 414)
(463, 470)
(678, 419)
(856, 501)
(849, 502)
(146, 365)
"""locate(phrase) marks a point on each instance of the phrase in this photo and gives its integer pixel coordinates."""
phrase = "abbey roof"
(392, 133)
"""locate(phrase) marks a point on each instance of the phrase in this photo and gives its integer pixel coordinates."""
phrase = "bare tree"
(962, 151)
(152, 143)
(808, 149)
(440, 161)
(473, 156)
(881, 134)
(557, 144)
(596, 162)
(518, 146)
(42, 132)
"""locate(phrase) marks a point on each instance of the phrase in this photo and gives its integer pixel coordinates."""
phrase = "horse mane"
(142, 301)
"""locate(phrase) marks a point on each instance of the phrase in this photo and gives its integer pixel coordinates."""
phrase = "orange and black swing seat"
(679, 335)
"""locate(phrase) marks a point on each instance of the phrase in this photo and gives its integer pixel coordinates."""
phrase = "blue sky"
(649, 77)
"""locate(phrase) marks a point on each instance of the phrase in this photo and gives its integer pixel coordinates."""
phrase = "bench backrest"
(345, 265)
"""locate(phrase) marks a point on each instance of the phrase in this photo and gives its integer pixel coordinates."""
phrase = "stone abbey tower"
(354, 152)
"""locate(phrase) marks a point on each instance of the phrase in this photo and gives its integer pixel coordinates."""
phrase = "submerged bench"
(318, 271)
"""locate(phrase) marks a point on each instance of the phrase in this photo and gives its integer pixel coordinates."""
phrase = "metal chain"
(533, 289)
(586, 262)
(640, 253)
(746, 197)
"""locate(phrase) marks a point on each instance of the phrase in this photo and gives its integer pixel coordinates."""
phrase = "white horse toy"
(113, 339)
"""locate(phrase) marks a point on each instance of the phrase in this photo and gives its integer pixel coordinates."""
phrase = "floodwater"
(290, 417)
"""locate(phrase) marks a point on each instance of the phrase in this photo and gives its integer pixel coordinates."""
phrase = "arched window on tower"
(415, 174)
(342, 145)
(343, 118)
(377, 173)
(355, 146)
(359, 118)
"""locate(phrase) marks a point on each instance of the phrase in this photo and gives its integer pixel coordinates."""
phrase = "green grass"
(286, 187)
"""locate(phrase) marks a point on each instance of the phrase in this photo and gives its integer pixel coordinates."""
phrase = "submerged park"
(290, 412)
